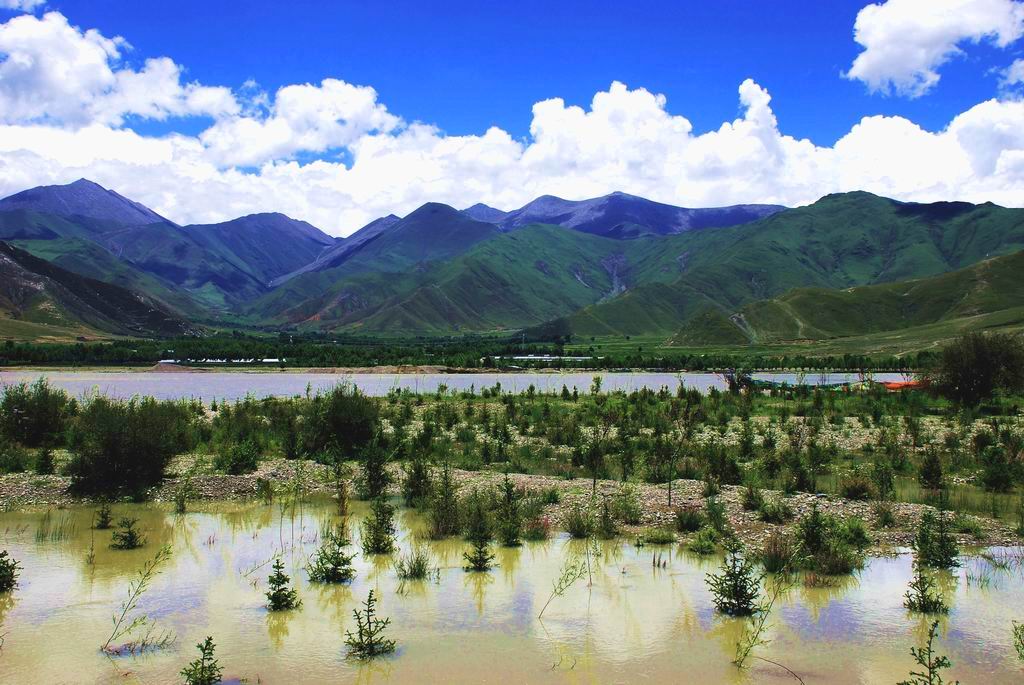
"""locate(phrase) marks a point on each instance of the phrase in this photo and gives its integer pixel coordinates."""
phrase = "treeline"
(468, 353)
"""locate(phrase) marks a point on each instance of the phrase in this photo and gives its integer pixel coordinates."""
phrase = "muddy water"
(634, 624)
(236, 385)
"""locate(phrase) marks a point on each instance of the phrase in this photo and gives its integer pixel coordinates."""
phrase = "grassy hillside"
(38, 298)
(840, 241)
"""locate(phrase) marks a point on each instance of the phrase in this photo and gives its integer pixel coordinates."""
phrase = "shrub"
(775, 511)
(578, 521)
(933, 664)
(537, 528)
(689, 519)
(779, 552)
(627, 507)
(509, 513)
(414, 566)
(968, 525)
(127, 537)
(444, 506)
(416, 484)
(342, 421)
(205, 670)
(35, 415)
(830, 546)
(977, 365)
(1018, 639)
(921, 596)
(885, 517)
(855, 486)
(126, 445)
(930, 475)
(238, 458)
(714, 512)
(44, 462)
(374, 478)
(934, 543)
(606, 527)
(704, 542)
(103, 518)
(997, 471)
(658, 536)
(9, 572)
(736, 588)
(330, 564)
(480, 532)
(753, 498)
(13, 458)
(378, 531)
(368, 641)
(281, 596)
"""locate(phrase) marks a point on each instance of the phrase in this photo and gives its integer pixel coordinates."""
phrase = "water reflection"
(625, 618)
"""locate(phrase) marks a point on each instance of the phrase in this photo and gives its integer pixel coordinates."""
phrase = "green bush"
(239, 458)
(13, 457)
(378, 531)
(658, 536)
(281, 596)
(342, 421)
(578, 521)
(205, 670)
(977, 365)
(689, 519)
(330, 564)
(775, 511)
(627, 507)
(36, 414)
(704, 542)
(9, 572)
(735, 590)
(413, 566)
(120, 446)
(444, 510)
(779, 552)
(921, 597)
(753, 498)
(934, 543)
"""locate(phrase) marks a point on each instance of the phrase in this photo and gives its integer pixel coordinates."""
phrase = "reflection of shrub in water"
(379, 528)
(922, 597)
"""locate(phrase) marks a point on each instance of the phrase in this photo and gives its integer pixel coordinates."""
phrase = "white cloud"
(1013, 75)
(21, 5)
(625, 139)
(303, 117)
(906, 41)
(51, 71)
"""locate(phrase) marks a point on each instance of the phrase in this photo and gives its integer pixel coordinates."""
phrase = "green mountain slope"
(840, 241)
(39, 299)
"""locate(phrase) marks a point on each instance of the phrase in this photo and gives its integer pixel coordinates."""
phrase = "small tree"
(281, 596)
(930, 476)
(368, 641)
(479, 532)
(375, 478)
(379, 528)
(444, 505)
(330, 564)
(1018, 639)
(510, 517)
(9, 572)
(931, 662)
(737, 588)
(416, 485)
(205, 670)
(934, 543)
(975, 366)
(103, 519)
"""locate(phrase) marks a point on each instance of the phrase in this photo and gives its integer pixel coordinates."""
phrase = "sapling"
(414, 566)
(9, 572)
(368, 640)
(127, 537)
(205, 670)
(479, 532)
(572, 571)
(126, 621)
(934, 543)
(736, 589)
(932, 663)
(103, 517)
(510, 517)
(330, 564)
(281, 596)
(1018, 639)
(379, 528)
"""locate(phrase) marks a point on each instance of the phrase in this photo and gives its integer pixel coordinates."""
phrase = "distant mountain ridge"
(617, 265)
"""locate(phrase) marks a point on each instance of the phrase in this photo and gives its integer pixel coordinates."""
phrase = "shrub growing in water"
(509, 512)
(330, 564)
(205, 670)
(779, 552)
(606, 527)
(416, 484)
(705, 542)
(578, 521)
(281, 596)
(368, 641)
(926, 658)
(103, 517)
(479, 532)
(934, 543)
(444, 506)
(736, 588)
(126, 445)
(374, 479)
(9, 572)
(414, 566)
(127, 537)
(379, 528)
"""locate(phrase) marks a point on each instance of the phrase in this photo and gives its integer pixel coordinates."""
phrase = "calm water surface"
(236, 385)
(634, 624)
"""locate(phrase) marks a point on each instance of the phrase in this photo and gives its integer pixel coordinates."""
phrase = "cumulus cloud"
(1013, 75)
(906, 41)
(51, 71)
(624, 139)
(21, 5)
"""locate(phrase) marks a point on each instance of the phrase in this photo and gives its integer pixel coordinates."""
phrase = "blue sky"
(468, 65)
(337, 113)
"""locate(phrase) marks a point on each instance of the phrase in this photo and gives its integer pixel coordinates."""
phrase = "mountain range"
(618, 265)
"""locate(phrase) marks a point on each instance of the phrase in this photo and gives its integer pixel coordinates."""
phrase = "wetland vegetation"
(740, 509)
